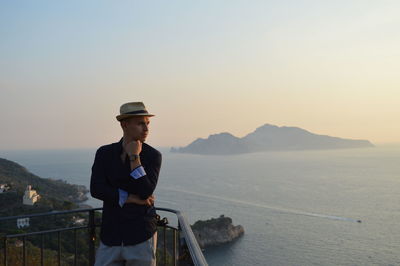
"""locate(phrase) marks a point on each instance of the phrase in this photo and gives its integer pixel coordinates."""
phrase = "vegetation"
(55, 195)
(50, 248)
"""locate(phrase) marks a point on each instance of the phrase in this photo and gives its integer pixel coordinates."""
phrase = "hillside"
(55, 194)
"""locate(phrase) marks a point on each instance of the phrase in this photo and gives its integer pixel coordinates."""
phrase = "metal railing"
(184, 251)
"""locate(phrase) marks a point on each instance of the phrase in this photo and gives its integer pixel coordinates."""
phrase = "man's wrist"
(133, 157)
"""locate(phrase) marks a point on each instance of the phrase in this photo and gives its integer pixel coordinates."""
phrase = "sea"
(330, 207)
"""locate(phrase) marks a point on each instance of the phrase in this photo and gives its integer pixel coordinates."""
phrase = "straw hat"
(132, 109)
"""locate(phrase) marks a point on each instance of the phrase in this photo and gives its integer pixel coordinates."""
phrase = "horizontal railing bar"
(67, 212)
(47, 214)
(46, 232)
(62, 230)
(167, 210)
(170, 227)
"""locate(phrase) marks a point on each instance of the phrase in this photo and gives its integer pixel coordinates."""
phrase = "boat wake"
(274, 208)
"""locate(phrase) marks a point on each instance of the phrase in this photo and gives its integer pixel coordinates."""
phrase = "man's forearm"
(142, 182)
(132, 198)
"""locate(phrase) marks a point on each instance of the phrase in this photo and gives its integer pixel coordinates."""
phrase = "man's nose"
(146, 128)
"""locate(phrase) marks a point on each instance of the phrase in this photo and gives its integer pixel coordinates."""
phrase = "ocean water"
(297, 208)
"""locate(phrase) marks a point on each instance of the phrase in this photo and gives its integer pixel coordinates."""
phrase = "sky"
(203, 67)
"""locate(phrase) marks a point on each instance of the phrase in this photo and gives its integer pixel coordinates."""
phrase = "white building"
(78, 221)
(30, 196)
(23, 222)
(4, 188)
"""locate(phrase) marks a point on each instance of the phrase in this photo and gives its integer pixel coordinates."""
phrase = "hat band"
(135, 112)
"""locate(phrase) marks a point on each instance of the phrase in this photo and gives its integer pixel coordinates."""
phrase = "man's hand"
(132, 198)
(133, 147)
(150, 200)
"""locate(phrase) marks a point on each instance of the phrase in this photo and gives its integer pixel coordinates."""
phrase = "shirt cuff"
(138, 172)
(123, 196)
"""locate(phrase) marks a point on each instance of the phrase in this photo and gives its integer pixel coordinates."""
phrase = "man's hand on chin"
(133, 147)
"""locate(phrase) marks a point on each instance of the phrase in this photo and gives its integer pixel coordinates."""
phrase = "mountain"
(223, 142)
(269, 138)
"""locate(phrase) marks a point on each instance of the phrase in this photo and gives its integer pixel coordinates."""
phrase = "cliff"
(269, 138)
(216, 231)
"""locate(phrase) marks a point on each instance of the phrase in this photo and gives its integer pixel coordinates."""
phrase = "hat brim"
(125, 116)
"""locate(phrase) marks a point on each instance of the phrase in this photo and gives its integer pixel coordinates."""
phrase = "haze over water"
(297, 208)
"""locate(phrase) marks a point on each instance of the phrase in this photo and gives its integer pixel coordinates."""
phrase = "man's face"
(136, 128)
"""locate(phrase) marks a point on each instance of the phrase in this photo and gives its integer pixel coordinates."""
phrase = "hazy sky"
(203, 67)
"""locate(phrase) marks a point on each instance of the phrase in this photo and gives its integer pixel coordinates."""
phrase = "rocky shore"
(216, 231)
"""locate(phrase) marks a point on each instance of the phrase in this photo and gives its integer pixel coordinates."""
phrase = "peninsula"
(269, 138)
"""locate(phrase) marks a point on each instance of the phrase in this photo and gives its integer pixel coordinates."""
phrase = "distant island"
(269, 138)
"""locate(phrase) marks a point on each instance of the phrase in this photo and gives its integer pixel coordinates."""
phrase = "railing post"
(92, 237)
(165, 244)
(59, 248)
(41, 249)
(5, 251)
(24, 251)
(75, 248)
(174, 247)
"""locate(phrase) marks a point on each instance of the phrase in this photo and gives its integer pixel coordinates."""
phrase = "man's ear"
(123, 124)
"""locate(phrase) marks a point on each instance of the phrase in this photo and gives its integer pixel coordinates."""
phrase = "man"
(124, 176)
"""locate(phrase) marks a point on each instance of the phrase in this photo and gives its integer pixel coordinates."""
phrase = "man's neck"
(124, 141)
